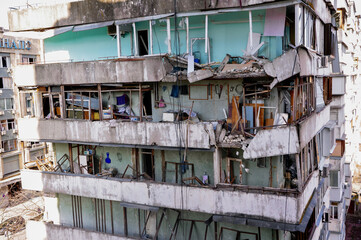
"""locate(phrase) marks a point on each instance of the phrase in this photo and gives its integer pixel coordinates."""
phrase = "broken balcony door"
(143, 42)
(148, 163)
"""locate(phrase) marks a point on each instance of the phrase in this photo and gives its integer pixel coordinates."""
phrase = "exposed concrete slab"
(201, 135)
(42, 230)
(273, 142)
(312, 125)
(283, 67)
(150, 69)
(198, 199)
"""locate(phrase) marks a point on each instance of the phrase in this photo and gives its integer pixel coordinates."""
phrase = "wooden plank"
(163, 165)
(125, 221)
(71, 157)
(140, 103)
(160, 223)
(100, 102)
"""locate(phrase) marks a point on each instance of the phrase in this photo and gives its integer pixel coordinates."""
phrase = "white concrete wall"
(268, 206)
(41, 231)
(201, 135)
(150, 69)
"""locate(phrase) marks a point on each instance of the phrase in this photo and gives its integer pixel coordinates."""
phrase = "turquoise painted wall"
(228, 33)
(85, 45)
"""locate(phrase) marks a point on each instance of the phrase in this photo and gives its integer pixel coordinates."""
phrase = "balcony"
(122, 70)
(313, 124)
(199, 199)
(200, 135)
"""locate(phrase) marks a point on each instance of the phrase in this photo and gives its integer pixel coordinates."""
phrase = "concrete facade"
(149, 140)
(13, 51)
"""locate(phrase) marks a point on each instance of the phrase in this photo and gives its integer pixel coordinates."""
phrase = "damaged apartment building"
(14, 51)
(184, 119)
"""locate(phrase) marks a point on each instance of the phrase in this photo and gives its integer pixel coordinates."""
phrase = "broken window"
(11, 124)
(148, 163)
(234, 171)
(9, 145)
(82, 105)
(261, 162)
(303, 97)
(6, 83)
(28, 59)
(327, 89)
(30, 111)
(4, 61)
(143, 42)
(334, 210)
(3, 125)
(309, 29)
(334, 176)
(6, 103)
(330, 37)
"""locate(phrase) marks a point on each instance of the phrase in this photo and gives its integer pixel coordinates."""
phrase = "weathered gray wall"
(91, 11)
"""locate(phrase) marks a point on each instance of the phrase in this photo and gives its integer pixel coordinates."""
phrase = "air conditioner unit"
(13, 111)
(15, 131)
(3, 133)
(28, 144)
(2, 113)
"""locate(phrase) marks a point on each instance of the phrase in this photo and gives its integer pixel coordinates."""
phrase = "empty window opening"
(6, 82)
(143, 42)
(46, 106)
(148, 162)
(5, 62)
(147, 103)
(11, 124)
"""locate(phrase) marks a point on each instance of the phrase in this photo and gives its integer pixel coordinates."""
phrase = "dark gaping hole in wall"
(143, 42)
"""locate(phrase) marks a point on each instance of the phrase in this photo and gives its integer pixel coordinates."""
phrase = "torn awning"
(139, 206)
(56, 31)
(140, 19)
(92, 26)
(273, 142)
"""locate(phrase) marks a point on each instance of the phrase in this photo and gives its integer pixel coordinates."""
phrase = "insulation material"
(275, 22)
(320, 103)
(283, 67)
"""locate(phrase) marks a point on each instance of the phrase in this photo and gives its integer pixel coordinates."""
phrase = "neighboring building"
(13, 51)
(176, 124)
